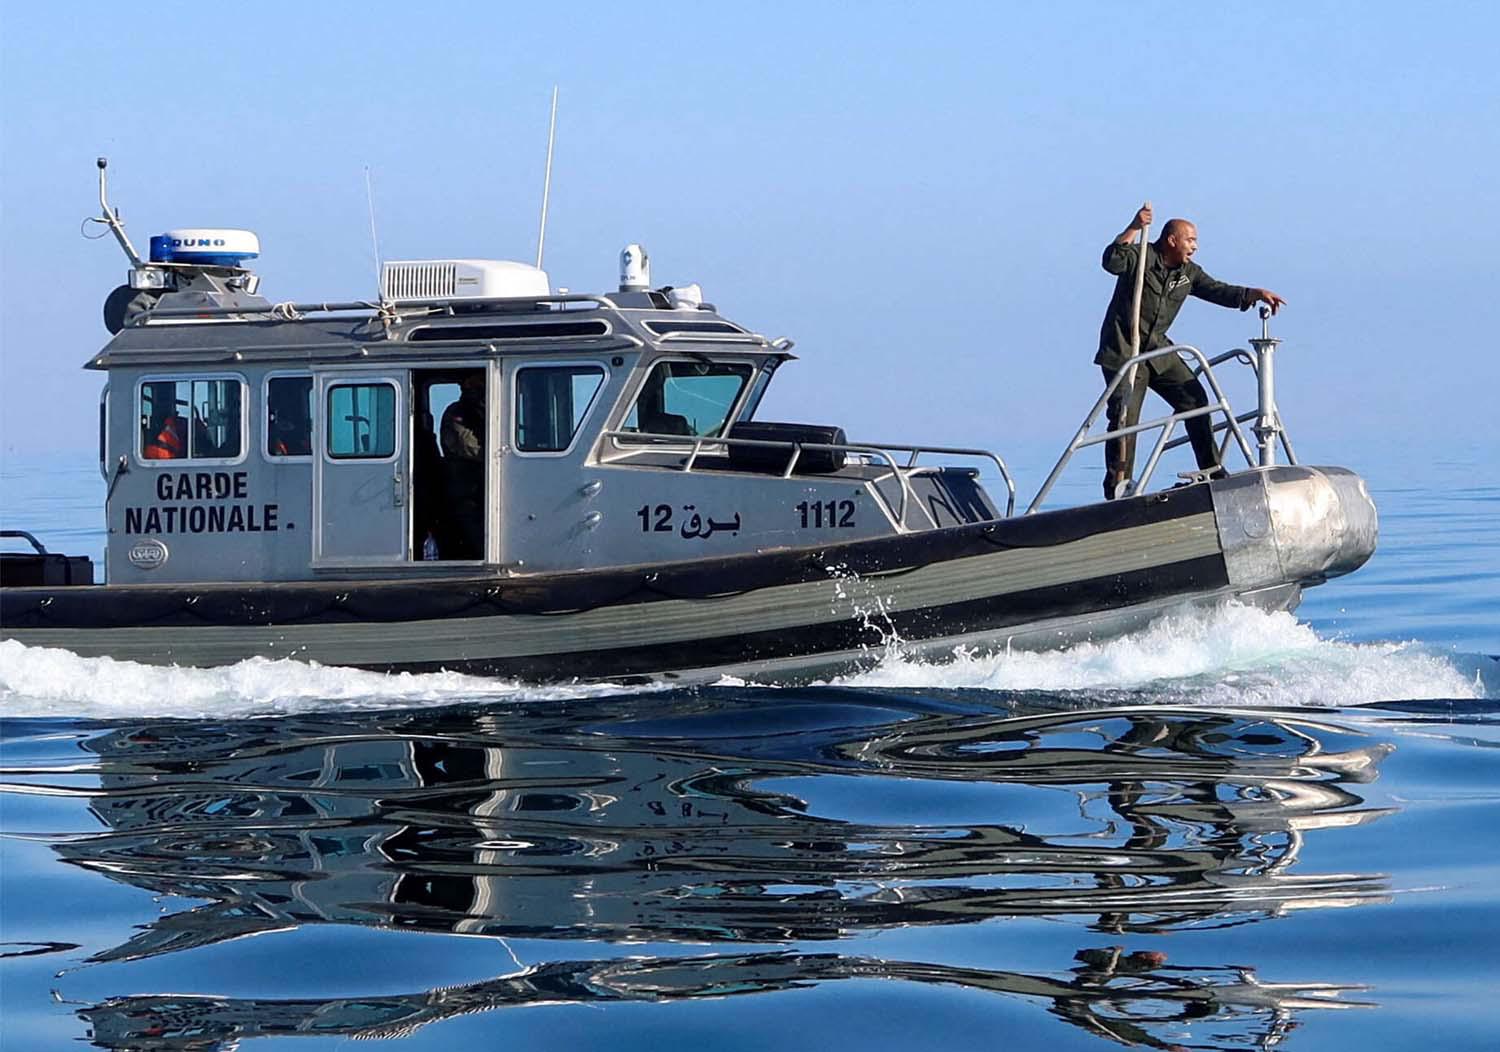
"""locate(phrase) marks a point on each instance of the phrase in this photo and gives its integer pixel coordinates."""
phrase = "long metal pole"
(541, 234)
(1135, 310)
(1268, 419)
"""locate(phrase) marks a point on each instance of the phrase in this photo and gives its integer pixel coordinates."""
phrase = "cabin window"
(289, 406)
(197, 419)
(551, 403)
(361, 421)
(103, 428)
(687, 398)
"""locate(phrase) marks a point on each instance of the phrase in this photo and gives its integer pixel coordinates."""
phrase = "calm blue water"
(1231, 831)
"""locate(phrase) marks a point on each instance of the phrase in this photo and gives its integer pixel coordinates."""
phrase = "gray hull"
(1034, 582)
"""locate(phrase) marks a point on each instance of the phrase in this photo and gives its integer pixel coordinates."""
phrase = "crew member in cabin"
(290, 430)
(1171, 277)
(170, 442)
(462, 439)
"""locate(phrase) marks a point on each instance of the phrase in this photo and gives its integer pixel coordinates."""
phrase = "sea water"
(1231, 830)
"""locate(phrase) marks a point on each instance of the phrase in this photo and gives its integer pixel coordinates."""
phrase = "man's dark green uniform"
(1162, 296)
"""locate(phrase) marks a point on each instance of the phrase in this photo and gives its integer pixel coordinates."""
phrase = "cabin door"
(359, 474)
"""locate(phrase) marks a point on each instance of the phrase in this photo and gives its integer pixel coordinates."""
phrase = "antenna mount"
(111, 216)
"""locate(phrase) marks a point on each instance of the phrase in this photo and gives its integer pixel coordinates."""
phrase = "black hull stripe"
(1102, 594)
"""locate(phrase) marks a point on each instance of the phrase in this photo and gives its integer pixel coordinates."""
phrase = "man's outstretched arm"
(1226, 295)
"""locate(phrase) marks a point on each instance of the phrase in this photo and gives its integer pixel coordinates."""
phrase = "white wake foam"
(1232, 655)
(1228, 655)
(35, 681)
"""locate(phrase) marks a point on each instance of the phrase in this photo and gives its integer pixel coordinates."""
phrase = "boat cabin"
(470, 421)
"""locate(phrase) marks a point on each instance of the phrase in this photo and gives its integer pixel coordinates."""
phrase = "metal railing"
(955, 451)
(713, 337)
(882, 452)
(1277, 430)
(1268, 427)
(373, 308)
(1166, 423)
(25, 536)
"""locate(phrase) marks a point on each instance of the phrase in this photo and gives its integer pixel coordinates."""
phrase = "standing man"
(462, 436)
(1171, 276)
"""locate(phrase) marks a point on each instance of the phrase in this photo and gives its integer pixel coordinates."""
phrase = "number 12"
(663, 513)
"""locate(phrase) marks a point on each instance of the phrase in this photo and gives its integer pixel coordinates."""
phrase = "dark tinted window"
(289, 403)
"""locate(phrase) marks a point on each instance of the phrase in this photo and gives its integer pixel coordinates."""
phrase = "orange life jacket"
(171, 443)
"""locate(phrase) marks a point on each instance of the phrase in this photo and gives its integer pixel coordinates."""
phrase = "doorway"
(451, 443)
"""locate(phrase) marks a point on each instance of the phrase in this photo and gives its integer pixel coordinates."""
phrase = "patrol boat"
(477, 472)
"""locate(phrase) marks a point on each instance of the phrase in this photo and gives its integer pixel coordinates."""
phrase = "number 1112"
(826, 514)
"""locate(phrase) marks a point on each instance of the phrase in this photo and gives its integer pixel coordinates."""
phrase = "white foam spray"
(36, 681)
(1231, 654)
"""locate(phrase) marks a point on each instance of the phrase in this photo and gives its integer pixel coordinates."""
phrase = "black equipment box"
(776, 458)
(28, 570)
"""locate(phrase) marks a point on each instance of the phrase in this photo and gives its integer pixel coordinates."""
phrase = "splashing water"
(35, 681)
(1231, 654)
(871, 608)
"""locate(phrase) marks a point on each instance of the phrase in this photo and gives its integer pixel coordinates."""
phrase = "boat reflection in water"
(1109, 993)
(728, 818)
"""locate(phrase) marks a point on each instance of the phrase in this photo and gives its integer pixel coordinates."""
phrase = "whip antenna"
(541, 234)
(374, 237)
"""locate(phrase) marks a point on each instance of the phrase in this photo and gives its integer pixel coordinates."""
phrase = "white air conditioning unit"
(405, 281)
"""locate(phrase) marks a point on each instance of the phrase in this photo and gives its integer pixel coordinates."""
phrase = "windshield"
(688, 398)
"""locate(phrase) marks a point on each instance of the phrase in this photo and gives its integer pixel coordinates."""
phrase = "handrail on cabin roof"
(286, 310)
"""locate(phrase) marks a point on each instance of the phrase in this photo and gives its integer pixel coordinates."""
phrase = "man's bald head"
(1179, 240)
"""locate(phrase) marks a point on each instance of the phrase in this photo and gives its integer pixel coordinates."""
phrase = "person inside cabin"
(290, 431)
(462, 438)
(651, 405)
(1171, 277)
(289, 439)
(170, 443)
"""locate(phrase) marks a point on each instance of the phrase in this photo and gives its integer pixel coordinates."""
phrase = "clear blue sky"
(918, 194)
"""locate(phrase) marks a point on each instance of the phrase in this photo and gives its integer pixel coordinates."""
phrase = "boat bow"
(1294, 524)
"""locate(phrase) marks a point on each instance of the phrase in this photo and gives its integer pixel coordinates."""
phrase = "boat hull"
(1038, 581)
